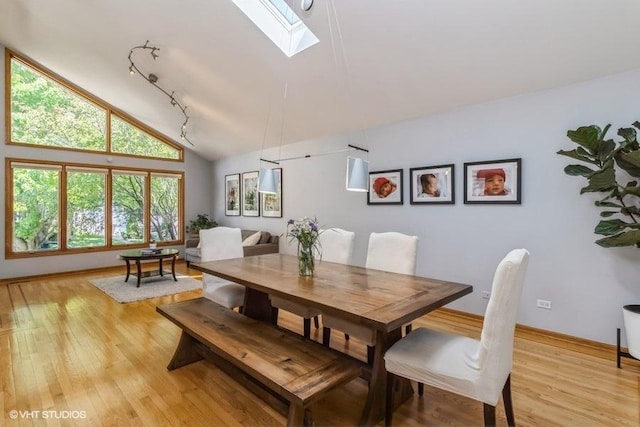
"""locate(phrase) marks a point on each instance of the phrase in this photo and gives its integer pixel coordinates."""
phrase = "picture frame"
(432, 185)
(385, 188)
(495, 181)
(271, 204)
(232, 194)
(250, 196)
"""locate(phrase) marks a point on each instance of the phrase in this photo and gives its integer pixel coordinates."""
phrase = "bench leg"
(185, 352)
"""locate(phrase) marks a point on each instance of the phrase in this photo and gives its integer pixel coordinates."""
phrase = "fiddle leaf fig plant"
(608, 163)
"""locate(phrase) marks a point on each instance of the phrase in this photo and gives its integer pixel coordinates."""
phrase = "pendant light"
(357, 174)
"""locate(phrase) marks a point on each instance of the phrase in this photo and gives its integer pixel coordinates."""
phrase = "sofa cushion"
(265, 237)
(252, 239)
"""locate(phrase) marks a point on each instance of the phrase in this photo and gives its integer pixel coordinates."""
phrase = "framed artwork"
(385, 187)
(432, 184)
(496, 181)
(271, 204)
(232, 194)
(250, 196)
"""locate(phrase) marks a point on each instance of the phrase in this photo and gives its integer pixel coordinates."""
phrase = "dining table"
(381, 300)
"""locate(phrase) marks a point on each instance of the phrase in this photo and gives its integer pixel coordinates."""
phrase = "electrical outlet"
(486, 294)
(544, 304)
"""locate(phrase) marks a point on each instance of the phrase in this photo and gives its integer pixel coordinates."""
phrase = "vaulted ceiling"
(378, 61)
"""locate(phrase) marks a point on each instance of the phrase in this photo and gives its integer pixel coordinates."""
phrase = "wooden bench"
(296, 371)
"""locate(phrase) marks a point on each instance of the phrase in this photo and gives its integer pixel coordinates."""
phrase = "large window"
(50, 112)
(66, 208)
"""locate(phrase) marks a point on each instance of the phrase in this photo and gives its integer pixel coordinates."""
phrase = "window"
(47, 111)
(86, 197)
(280, 23)
(143, 205)
(35, 207)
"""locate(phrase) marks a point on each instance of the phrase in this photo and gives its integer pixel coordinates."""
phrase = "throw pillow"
(265, 236)
(252, 240)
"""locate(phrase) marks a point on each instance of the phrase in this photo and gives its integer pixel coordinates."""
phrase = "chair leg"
(316, 322)
(326, 336)
(508, 404)
(407, 329)
(388, 404)
(346, 337)
(307, 328)
(420, 389)
(489, 415)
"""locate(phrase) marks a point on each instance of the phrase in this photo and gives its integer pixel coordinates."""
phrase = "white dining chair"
(393, 252)
(477, 369)
(216, 244)
(336, 245)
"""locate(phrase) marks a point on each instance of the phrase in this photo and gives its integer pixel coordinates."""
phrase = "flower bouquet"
(306, 232)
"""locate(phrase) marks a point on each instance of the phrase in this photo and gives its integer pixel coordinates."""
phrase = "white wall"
(198, 199)
(586, 284)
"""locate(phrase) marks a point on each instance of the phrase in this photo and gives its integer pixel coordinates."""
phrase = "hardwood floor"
(69, 350)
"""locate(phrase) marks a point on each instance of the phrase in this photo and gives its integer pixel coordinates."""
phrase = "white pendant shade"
(357, 174)
(267, 182)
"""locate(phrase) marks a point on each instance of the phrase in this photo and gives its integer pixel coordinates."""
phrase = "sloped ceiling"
(378, 61)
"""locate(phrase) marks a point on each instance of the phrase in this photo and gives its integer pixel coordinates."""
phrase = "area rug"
(150, 287)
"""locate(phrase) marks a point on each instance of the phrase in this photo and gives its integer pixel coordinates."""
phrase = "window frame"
(110, 110)
(64, 167)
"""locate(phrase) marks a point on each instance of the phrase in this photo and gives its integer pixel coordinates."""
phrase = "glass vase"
(305, 261)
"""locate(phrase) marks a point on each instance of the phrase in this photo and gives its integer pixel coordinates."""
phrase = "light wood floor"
(66, 346)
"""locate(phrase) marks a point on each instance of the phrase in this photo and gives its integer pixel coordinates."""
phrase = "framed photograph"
(385, 187)
(232, 194)
(496, 181)
(271, 204)
(250, 196)
(432, 184)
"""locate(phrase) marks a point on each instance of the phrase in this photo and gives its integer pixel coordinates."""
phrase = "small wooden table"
(138, 255)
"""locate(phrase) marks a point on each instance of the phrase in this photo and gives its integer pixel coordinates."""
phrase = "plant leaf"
(605, 149)
(578, 170)
(610, 227)
(630, 162)
(630, 210)
(627, 238)
(575, 155)
(606, 214)
(602, 180)
(602, 203)
(586, 136)
(629, 135)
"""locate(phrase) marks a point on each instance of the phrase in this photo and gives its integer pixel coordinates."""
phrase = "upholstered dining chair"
(215, 244)
(477, 369)
(336, 245)
(393, 252)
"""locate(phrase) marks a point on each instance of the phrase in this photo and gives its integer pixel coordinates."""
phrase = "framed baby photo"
(232, 194)
(250, 195)
(432, 185)
(271, 204)
(496, 181)
(385, 187)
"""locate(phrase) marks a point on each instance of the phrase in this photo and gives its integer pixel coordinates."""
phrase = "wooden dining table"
(382, 300)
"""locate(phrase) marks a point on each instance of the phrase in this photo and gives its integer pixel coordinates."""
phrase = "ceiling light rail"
(306, 156)
(153, 79)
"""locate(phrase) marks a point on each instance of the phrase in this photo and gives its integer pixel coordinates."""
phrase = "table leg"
(373, 411)
(139, 272)
(173, 267)
(128, 270)
(257, 305)
(160, 267)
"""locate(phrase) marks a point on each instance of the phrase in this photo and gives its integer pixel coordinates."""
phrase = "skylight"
(280, 23)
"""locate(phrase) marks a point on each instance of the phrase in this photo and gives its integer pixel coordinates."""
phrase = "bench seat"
(294, 369)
